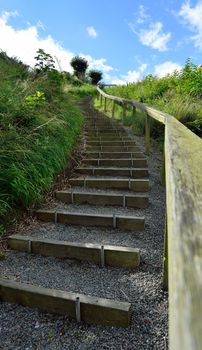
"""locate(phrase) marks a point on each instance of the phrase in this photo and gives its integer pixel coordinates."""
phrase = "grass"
(178, 94)
(40, 122)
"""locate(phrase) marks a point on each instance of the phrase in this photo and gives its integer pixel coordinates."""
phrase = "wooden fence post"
(124, 112)
(165, 258)
(100, 100)
(113, 108)
(105, 104)
(147, 135)
(133, 116)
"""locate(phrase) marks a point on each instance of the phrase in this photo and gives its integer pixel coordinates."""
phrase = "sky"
(125, 39)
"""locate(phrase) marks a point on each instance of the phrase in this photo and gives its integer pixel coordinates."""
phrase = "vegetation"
(45, 62)
(95, 76)
(80, 65)
(39, 126)
(178, 94)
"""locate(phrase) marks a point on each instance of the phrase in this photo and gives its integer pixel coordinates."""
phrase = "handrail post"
(100, 100)
(113, 108)
(105, 104)
(147, 135)
(124, 112)
(133, 116)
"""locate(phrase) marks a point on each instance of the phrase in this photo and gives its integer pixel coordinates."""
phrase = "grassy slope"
(37, 135)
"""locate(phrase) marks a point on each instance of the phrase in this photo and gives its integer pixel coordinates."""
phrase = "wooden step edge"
(114, 171)
(102, 255)
(140, 185)
(76, 306)
(130, 223)
(116, 155)
(133, 162)
(130, 201)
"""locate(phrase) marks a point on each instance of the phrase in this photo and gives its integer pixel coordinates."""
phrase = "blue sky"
(126, 39)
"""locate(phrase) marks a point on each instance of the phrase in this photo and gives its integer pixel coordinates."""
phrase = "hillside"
(39, 125)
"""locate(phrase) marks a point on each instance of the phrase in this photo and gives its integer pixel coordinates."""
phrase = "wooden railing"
(183, 233)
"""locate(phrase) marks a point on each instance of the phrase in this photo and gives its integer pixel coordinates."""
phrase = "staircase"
(107, 192)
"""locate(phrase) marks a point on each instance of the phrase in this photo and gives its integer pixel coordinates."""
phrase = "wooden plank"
(89, 198)
(137, 163)
(133, 201)
(93, 310)
(114, 155)
(114, 171)
(183, 153)
(114, 149)
(84, 219)
(147, 135)
(111, 143)
(115, 256)
(113, 108)
(139, 185)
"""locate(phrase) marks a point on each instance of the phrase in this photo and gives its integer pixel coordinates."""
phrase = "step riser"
(137, 173)
(109, 139)
(104, 129)
(113, 255)
(110, 143)
(137, 163)
(133, 185)
(123, 223)
(102, 199)
(114, 155)
(114, 149)
(102, 134)
(93, 310)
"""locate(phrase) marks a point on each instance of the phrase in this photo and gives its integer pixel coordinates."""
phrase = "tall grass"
(39, 127)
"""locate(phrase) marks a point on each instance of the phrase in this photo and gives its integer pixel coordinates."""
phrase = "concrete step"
(138, 185)
(114, 171)
(130, 223)
(94, 253)
(76, 306)
(137, 162)
(97, 198)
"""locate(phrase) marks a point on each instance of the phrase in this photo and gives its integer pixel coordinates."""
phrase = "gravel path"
(29, 329)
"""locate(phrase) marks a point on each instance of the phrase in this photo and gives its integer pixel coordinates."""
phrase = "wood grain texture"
(183, 155)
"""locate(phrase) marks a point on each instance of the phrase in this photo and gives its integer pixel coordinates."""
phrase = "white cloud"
(193, 17)
(23, 43)
(132, 76)
(154, 37)
(142, 15)
(97, 63)
(168, 67)
(91, 32)
(149, 33)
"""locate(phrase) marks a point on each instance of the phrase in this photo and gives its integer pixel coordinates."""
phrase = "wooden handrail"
(152, 112)
(183, 167)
